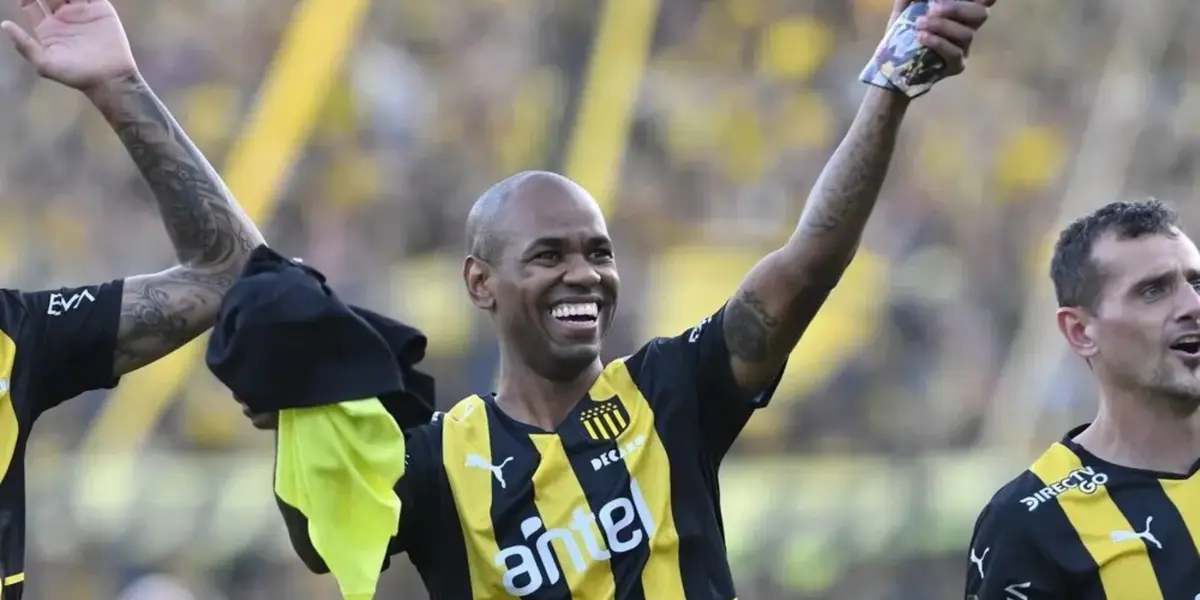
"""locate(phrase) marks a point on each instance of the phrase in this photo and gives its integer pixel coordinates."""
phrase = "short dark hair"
(1077, 278)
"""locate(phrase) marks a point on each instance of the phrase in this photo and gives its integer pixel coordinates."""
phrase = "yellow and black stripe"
(467, 434)
(590, 511)
(1136, 533)
(647, 466)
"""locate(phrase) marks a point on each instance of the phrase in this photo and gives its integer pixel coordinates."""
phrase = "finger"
(954, 32)
(260, 420)
(257, 419)
(971, 14)
(269, 421)
(26, 45)
(953, 55)
(51, 6)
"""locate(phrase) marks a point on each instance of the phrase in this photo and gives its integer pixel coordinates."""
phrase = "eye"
(603, 254)
(547, 256)
(1151, 291)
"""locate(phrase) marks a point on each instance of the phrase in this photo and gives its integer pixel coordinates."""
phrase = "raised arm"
(83, 45)
(780, 296)
(211, 234)
(783, 292)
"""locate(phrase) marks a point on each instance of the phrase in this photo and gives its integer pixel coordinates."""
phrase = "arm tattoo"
(784, 292)
(748, 327)
(211, 235)
(847, 189)
(204, 222)
(164, 311)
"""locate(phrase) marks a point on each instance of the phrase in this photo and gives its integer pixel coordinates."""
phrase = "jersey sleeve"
(73, 334)
(1005, 560)
(416, 490)
(696, 368)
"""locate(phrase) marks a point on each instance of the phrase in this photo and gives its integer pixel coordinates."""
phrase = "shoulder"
(466, 413)
(694, 349)
(1007, 534)
(1059, 475)
(423, 447)
(467, 419)
(1029, 503)
(659, 360)
(1008, 504)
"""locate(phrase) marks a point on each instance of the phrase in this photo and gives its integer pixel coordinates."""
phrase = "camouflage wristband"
(901, 63)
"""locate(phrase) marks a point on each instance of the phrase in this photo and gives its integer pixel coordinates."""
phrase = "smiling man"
(585, 481)
(1113, 510)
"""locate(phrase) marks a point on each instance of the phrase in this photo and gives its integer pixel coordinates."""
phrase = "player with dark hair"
(1113, 510)
(582, 480)
(57, 344)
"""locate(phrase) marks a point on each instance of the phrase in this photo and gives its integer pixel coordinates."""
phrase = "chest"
(569, 510)
(1140, 540)
(568, 489)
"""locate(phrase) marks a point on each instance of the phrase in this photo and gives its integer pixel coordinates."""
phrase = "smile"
(576, 314)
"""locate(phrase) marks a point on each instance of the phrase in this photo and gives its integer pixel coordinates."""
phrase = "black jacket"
(283, 339)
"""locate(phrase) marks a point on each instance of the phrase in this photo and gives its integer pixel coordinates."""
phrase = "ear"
(1076, 327)
(476, 274)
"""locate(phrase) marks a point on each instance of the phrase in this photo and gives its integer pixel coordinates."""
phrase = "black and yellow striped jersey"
(54, 345)
(1074, 526)
(621, 501)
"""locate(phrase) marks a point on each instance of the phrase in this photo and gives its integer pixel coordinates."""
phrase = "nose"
(581, 273)
(1189, 304)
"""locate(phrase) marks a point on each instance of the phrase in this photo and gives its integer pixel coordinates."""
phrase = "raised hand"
(949, 28)
(79, 43)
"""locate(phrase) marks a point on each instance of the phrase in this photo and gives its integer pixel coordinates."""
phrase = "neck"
(533, 399)
(1143, 433)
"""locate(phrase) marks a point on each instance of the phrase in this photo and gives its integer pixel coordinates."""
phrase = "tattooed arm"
(211, 234)
(783, 292)
(781, 295)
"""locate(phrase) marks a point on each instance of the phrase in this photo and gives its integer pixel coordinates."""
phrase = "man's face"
(1145, 328)
(555, 283)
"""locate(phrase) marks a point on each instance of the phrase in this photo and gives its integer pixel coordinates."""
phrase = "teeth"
(582, 309)
(1189, 339)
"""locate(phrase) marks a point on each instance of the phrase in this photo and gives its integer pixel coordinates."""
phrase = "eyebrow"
(553, 243)
(557, 243)
(1159, 278)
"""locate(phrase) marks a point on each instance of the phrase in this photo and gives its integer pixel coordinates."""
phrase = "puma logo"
(1122, 535)
(978, 560)
(476, 461)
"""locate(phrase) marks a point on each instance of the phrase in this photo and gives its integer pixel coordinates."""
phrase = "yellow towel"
(338, 465)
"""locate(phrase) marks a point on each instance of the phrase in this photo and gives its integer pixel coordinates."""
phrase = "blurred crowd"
(905, 405)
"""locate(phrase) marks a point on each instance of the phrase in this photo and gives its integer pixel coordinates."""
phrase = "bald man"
(581, 480)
